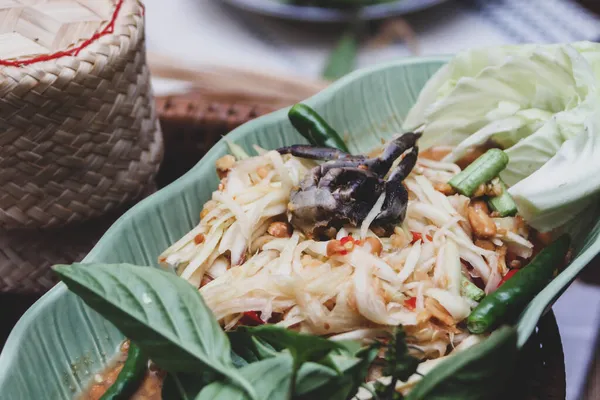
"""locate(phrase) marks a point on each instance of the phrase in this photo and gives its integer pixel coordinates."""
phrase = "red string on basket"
(74, 51)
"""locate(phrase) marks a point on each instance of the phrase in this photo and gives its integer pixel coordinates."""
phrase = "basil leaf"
(182, 386)
(271, 378)
(248, 347)
(401, 364)
(317, 381)
(313, 376)
(478, 373)
(302, 347)
(162, 313)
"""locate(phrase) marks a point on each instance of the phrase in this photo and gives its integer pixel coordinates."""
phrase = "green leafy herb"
(248, 347)
(476, 374)
(311, 377)
(162, 313)
(302, 347)
(315, 381)
(182, 386)
(399, 365)
(271, 378)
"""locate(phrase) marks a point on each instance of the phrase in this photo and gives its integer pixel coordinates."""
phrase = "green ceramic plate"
(59, 343)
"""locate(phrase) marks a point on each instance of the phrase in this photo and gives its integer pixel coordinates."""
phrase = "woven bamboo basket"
(78, 131)
(191, 125)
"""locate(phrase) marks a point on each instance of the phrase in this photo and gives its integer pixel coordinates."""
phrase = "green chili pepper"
(130, 377)
(482, 170)
(314, 128)
(509, 300)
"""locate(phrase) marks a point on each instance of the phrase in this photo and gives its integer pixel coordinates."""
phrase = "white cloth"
(208, 31)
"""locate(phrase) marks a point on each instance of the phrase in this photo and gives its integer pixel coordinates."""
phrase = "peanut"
(494, 188)
(280, 229)
(481, 223)
(444, 188)
(375, 245)
(485, 244)
(262, 172)
(481, 190)
(224, 164)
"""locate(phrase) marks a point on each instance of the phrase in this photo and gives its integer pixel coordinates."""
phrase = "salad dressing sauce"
(150, 388)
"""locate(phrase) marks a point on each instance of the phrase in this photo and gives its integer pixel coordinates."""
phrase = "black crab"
(343, 190)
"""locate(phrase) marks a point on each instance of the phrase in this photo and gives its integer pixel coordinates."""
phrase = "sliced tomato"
(346, 239)
(418, 236)
(411, 303)
(251, 318)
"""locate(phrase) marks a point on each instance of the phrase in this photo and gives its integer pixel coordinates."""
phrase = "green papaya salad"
(395, 272)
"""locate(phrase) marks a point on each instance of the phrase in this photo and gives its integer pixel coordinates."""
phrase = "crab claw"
(382, 164)
(396, 196)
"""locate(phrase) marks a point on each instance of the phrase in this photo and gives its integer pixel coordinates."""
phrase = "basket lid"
(39, 30)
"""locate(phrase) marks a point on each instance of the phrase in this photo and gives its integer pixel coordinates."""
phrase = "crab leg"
(318, 153)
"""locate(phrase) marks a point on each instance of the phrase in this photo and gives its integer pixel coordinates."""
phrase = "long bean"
(482, 170)
(504, 203)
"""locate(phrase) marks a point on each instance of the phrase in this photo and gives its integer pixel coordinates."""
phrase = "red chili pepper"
(508, 275)
(346, 239)
(251, 318)
(411, 303)
(417, 236)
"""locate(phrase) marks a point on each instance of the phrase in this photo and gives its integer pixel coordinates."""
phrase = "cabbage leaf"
(541, 103)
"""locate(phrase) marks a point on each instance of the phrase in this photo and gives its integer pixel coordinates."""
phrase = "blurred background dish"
(287, 9)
